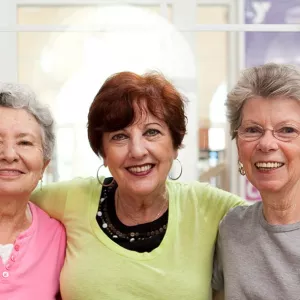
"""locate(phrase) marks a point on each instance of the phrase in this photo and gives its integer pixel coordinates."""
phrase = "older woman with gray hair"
(32, 245)
(258, 250)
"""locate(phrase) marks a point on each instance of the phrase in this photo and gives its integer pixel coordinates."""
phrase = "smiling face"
(140, 156)
(271, 165)
(21, 153)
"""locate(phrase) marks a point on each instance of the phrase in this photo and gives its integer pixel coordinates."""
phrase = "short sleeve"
(218, 200)
(52, 199)
(56, 198)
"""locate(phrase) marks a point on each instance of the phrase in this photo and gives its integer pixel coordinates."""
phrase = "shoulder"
(189, 187)
(44, 222)
(203, 192)
(241, 216)
(88, 183)
(76, 183)
(50, 234)
(204, 197)
(63, 188)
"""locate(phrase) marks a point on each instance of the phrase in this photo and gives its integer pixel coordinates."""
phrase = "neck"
(134, 210)
(281, 208)
(15, 217)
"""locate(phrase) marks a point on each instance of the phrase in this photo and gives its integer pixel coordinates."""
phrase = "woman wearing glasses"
(258, 250)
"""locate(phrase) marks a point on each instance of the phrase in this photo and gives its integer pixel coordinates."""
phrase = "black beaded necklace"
(140, 238)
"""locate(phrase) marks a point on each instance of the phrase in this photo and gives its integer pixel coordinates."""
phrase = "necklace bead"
(104, 221)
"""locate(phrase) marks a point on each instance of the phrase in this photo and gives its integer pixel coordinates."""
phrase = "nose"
(267, 142)
(8, 152)
(137, 147)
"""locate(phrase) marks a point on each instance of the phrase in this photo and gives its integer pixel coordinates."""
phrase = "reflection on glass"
(212, 85)
(65, 142)
(67, 68)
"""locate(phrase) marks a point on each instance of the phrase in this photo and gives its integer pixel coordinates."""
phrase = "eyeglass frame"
(273, 131)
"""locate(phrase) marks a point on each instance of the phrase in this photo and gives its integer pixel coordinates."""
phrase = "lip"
(139, 171)
(140, 165)
(5, 172)
(269, 161)
(268, 166)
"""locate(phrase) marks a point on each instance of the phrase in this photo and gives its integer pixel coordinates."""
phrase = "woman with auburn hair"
(258, 253)
(137, 235)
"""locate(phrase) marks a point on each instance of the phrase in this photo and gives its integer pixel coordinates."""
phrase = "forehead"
(18, 121)
(272, 110)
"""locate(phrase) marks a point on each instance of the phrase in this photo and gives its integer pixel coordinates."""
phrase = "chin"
(268, 187)
(144, 189)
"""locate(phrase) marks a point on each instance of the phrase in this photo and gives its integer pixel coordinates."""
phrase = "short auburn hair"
(113, 107)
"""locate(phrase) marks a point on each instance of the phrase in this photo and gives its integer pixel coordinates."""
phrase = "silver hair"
(268, 81)
(20, 96)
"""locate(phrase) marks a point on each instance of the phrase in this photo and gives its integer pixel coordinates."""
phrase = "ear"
(46, 163)
(175, 154)
(238, 149)
(105, 162)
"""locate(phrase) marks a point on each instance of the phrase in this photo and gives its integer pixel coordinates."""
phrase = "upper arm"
(218, 295)
(218, 201)
(217, 276)
(225, 200)
(62, 245)
(52, 199)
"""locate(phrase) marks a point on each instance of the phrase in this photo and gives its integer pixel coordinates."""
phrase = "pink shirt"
(33, 269)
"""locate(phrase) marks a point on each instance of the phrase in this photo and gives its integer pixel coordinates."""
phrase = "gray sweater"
(256, 260)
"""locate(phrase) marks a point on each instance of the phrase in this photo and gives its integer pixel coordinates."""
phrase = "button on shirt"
(30, 268)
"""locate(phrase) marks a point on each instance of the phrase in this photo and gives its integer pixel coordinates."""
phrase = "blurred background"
(65, 49)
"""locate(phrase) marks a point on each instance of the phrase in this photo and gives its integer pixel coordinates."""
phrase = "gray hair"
(267, 81)
(20, 96)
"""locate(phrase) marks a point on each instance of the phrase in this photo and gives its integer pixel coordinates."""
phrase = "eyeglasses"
(284, 133)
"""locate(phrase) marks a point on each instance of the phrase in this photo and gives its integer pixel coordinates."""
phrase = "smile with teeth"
(10, 172)
(140, 169)
(268, 165)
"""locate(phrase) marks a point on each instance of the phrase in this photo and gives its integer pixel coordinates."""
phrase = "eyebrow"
(146, 125)
(283, 122)
(249, 121)
(154, 123)
(23, 134)
(28, 134)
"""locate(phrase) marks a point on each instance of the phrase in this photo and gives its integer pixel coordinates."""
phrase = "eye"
(152, 132)
(288, 130)
(25, 143)
(119, 137)
(287, 133)
(252, 129)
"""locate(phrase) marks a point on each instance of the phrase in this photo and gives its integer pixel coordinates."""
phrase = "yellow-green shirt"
(98, 268)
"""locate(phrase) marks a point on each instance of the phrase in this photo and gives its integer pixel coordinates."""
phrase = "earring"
(41, 184)
(102, 183)
(179, 173)
(241, 169)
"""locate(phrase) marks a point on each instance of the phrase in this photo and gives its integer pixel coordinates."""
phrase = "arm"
(218, 277)
(56, 198)
(217, 202)
(218, 295)
(52, 199)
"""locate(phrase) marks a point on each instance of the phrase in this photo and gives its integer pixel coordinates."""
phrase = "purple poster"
(262, 47)
(281, 47)
(251, 193)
